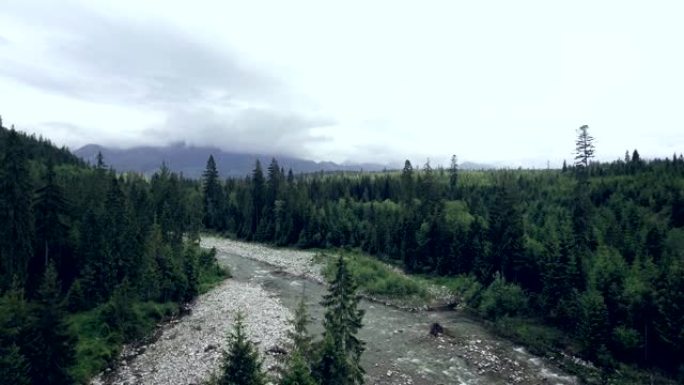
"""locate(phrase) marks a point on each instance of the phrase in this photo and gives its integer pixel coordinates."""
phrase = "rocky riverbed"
(189, 349)
(299, 263)
(268, 282)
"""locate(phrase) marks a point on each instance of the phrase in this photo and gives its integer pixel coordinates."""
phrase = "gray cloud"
(249, 130)
(208, 96)
(130, 61)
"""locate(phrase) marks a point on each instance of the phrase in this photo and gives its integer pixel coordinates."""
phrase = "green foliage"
(301, 340)
(376, 278)
(210, 273)
(502, 299)
(98, 345)
(596, 244)
(538, 338)
(297, 369)
(592, 325)
(466, 287)
(14, 316)
(340, 351)
(16, 214)
(627, 339)
(119, 316)
(114, 240)
(51, 351)
(241, 362)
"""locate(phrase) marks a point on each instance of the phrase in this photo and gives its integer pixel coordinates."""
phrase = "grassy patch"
(376, 278)
(211, 277)
(539, 339)
(98, 345)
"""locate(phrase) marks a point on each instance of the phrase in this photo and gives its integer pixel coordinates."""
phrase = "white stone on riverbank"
(295, 262)
(189, 350)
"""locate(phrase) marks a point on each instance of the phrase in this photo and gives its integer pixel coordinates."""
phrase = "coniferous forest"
(595, 250)
(92, 259)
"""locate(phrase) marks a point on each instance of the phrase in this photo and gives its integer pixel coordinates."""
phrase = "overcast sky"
(375, 81)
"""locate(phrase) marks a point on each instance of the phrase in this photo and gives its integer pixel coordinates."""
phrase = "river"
(267, 285)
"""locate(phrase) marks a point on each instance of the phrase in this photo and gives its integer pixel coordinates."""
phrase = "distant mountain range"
(191, 160)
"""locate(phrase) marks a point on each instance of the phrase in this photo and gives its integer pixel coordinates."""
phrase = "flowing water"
(399, 348)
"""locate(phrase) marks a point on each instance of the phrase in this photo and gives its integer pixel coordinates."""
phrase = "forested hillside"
(90, 259)
(595, 250)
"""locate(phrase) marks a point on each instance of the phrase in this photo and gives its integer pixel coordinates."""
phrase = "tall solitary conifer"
(340, 353)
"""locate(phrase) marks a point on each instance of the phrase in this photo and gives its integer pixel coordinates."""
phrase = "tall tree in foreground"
(340, 351)
(51, 230)
(14, 365)
(16, 217)
(297, 370)
(51, 351)
(241, 363)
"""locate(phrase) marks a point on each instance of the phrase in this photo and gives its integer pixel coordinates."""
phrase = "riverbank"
(378, 281)
(437, 294)
(400, 348)
(189, 350)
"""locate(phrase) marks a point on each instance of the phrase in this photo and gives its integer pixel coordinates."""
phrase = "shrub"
(502, 299)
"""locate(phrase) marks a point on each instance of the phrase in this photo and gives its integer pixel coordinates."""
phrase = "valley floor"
(268, 283)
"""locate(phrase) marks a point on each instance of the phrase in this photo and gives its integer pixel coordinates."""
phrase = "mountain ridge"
(191, 160)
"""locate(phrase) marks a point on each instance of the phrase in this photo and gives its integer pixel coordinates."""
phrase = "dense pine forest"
(92, 259)
(595, 250)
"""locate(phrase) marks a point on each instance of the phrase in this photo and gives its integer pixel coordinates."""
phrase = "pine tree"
(212, 197)
(340, 354)
(453, 177)
(258, 198)
(14, 318)
(51, 229)
(241, 362)
(297, 370)
(407, 182)
(16, 215)
(592, 325)
(669, 302)
(301, 340)
(506, 234)
(51, 352)
(584, 148)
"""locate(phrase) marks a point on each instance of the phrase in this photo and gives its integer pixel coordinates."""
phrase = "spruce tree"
(453, 177)
(212, 195)
(407, 182)
(584, 148)
(14, 319)
(16, 214)
(51, 229)
(592, 324)
(297, 370)
(301, 340)
(340, 353)
(258, 198)
(51, 352)
(241, 362)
